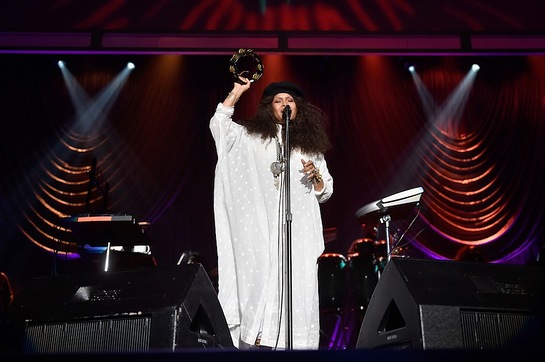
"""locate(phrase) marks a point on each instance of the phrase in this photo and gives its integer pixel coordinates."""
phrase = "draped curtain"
(475, 149)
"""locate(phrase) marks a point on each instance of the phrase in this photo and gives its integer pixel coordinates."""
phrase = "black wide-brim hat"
(283, 87)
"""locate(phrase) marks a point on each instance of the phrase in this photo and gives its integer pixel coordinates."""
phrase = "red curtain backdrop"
(501, 16)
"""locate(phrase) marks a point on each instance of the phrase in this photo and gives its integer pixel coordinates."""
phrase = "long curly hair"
(307, 132)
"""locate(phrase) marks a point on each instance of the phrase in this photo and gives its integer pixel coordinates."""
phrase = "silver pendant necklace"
(278, 166)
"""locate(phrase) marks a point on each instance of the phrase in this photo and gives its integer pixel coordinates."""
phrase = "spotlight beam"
(447, 115)
(92, 112)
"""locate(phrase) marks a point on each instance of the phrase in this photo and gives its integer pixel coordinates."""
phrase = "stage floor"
(215, 355)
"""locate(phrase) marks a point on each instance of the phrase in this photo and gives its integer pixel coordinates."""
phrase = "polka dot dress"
(249, 213)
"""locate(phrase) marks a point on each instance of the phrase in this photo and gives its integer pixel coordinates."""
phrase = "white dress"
(249, 235)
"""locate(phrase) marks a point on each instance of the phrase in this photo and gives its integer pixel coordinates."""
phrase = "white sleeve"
(325, 193)
(224, 130)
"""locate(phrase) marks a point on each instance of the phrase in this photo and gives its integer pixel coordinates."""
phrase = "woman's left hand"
(312, 172)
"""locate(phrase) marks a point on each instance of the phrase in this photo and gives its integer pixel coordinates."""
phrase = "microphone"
(286, 112)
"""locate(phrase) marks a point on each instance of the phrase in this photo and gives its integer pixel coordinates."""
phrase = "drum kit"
(355, 276)
(352, 278)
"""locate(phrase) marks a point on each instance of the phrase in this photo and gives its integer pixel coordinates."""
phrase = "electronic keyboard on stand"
(107, 230)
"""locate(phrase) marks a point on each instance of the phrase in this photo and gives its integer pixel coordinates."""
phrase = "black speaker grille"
(485, 330)
(148, 309)
(456, 305)
(105, 335)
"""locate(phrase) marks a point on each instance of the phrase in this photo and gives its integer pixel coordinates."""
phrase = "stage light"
(475, 67)
(409, 66)
(61, 64)
(130, 65)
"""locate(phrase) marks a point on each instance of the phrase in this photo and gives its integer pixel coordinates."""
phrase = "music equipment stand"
(393, 207)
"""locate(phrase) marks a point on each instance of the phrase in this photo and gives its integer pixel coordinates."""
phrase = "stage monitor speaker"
(431, 304)
(137, 310)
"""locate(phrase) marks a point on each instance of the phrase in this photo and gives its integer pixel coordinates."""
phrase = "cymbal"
(397, 206)
(144, 224)
(330, 234)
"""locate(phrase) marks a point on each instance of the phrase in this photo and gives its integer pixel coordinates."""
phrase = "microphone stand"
(287, 239)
